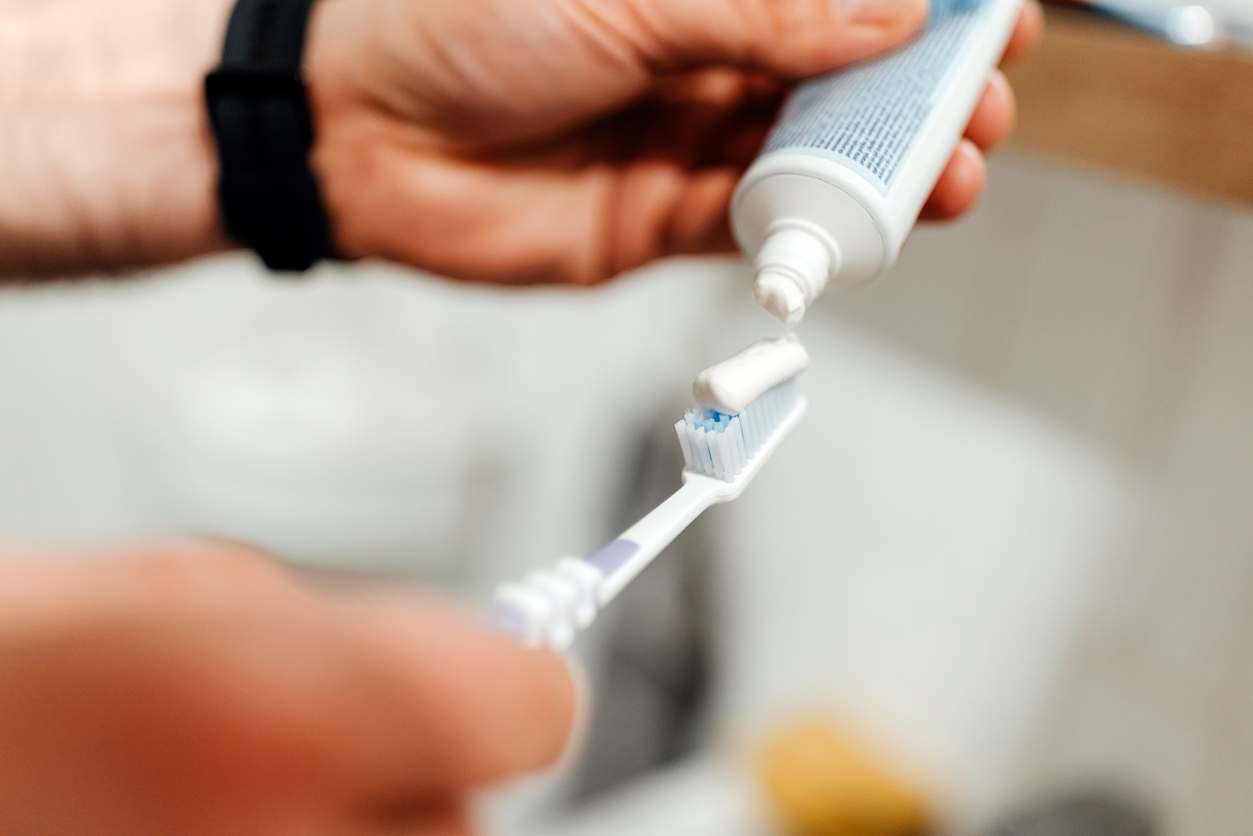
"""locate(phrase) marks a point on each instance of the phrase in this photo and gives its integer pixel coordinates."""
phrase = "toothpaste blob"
(733, 384)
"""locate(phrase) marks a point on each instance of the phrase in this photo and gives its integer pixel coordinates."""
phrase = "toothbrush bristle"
(721, 445)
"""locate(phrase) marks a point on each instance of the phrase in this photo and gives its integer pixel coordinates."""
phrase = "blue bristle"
(713, 421)
(721, 444)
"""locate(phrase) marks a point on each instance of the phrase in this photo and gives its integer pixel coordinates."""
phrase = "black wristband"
(259, 112)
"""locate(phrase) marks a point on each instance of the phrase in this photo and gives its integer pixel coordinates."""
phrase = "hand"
(569, 140)
(505, 140)
(197, 689)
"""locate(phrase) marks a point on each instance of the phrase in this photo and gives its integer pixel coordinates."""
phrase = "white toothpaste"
(733, 384)
(854, 156)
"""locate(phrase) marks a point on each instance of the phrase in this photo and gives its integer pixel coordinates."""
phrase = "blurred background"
(999, 582)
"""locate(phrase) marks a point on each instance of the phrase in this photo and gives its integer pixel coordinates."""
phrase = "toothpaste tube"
(854, 155)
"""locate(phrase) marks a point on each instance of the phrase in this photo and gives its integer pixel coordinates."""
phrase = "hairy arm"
(106, 160)
(498, 140)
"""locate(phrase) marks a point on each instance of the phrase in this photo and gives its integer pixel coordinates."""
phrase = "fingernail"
(876, 11)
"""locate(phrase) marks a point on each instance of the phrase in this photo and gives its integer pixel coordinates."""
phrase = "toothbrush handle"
(550, 606)
(626, 557)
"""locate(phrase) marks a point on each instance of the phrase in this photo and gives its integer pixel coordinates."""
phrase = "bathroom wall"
(1061, 380)
(1119, 314)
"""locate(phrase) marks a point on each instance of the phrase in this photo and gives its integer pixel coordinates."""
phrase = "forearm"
(106, 161)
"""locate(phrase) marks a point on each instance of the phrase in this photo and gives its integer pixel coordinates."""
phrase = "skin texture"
(196, 688)
(496, 140)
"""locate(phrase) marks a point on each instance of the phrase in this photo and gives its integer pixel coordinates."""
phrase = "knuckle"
(790, 18)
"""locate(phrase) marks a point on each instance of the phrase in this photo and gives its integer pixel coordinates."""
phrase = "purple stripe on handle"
(508, 620)
(609, 559)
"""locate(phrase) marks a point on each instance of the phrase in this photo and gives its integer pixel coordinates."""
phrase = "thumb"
(476, 703)
(789, 38)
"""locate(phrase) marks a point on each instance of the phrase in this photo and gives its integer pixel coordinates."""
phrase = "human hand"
(197, 689)
(570, 140)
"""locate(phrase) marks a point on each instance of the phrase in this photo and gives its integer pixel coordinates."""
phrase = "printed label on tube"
(867, 118)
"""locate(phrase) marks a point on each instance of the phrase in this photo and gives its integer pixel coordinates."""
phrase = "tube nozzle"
(791, 270)
(780, 295)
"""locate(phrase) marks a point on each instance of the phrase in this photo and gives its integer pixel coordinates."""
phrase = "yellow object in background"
(822, 783)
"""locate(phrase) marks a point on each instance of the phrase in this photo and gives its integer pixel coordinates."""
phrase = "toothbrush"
(722, 451)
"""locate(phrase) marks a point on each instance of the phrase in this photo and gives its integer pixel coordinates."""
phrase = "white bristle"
(724, 452)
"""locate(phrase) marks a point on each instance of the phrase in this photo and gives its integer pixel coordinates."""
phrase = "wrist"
(106, 160)
(346, 134)
(365, 66)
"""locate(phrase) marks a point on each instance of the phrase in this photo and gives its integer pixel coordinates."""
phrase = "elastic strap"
(259, 112)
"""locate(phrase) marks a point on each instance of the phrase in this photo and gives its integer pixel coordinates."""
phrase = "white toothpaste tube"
(854, 155)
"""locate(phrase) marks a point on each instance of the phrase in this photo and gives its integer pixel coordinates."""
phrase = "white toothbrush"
(723, 453)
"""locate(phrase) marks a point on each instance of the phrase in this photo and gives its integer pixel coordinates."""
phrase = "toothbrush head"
(731, 448)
